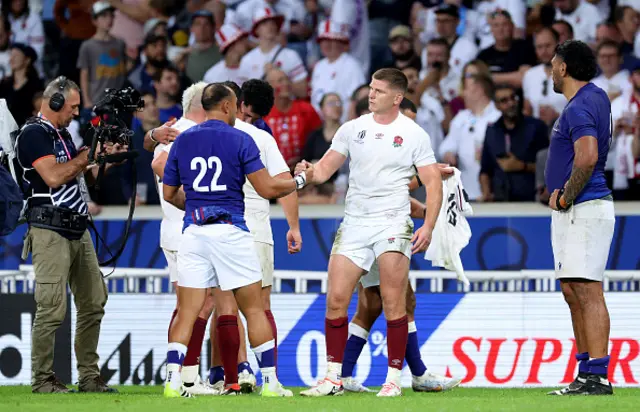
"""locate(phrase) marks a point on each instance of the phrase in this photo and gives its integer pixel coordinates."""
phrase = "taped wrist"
(301, 180)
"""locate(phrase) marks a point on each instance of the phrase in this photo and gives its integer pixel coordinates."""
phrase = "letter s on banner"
(466, 361)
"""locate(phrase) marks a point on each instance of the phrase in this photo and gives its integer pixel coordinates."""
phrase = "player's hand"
(552, 199)
(294, 241)
(306, 167)
(421, 240)
(445, 170)
(166, 134)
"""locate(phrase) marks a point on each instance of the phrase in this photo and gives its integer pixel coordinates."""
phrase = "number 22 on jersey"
(203, 165)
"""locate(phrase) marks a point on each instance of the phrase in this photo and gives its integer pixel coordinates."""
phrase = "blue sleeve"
(171, 171)
(250, 156)
(581, 121)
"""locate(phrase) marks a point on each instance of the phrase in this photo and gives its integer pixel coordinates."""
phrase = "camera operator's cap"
(262, 14)
(229, 34)
(449, 9)
(330, 30)
(100, 7)
(27, 50)
(151, 24)
(401, 31)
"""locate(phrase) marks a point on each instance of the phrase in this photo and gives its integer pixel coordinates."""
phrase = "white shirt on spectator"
(462, 52)
(618, 83)
(220, 72)
(533, 89)
(430, 116)
(620, 158)
(516, 8)
(355, 14)
(290, 9)
(449, 86)
(252, 64)
(465, 139)
(471, 29)
(28, 29)
(584, 20)
(342, 76)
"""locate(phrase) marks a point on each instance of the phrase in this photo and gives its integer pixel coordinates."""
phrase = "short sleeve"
(581, 122)
(340, 142)
(34, 144)
(273, 158)
(423, 153)
(250, 155)
(171, 171)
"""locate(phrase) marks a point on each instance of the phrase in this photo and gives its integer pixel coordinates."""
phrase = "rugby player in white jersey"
(170, 233)
(384, 147)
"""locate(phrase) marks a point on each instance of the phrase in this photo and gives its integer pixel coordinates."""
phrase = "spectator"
(627, 21)
(614, 80)
(463, 145)
(607, 31)
(461, 49)
(413, 80)
(583, 17)
(338, 72)
(355, 16)
(517, 9)
(440, 81)
(362, 107)
(537, 86)
(203, 52)
(166, 83)
(509, 152)
(22, 85)
(26, 27)
(292, 12)
(269, 54)
(508, 58)
(564, 29)
(155, 52)
(128, 23)
(233, 46)
(361, 92)
(426, 21)
(291, 120)
(5, 52)
(401, 45)
(102, 59)
(74, 19)
(473, 67)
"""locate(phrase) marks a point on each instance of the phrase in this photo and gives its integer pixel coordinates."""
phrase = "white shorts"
(363, 244)
(372, 278)
(265, 257)
(217, 256)
(172, 264)
(581, 239)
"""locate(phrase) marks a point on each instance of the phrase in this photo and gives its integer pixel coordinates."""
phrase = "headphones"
(56, 102)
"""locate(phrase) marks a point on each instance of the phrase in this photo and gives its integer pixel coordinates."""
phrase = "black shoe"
(595, 385)
(96, 385)
(51, 385)
(574, 386)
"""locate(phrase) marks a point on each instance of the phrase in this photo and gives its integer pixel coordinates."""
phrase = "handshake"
(303, 174)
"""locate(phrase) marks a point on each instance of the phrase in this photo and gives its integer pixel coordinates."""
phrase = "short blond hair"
(192, 97)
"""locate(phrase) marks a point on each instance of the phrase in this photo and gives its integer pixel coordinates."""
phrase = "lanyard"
(43, 117)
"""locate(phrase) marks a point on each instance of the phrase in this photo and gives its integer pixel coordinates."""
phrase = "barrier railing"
(136, 280)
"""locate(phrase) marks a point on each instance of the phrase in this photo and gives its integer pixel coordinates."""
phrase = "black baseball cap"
(449, 9)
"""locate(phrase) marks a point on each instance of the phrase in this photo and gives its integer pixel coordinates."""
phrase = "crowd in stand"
(479, 74)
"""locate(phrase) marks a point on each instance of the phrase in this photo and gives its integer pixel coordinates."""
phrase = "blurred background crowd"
(479, 74)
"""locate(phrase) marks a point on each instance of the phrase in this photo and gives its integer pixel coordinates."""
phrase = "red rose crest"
(397, 141)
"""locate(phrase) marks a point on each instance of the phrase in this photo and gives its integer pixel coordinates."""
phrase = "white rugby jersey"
(221, 73)
(382, 160)
(252, 64)
(256, 208)
(172, 217)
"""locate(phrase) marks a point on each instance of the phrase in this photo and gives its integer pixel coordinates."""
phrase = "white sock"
(269, 377)
(412, 327)
(173, 369)
(358, 331)
(190, 373)
(393, 375)
(334, 370)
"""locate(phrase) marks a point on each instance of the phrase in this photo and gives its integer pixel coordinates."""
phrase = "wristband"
(301, 180)
(151, 136)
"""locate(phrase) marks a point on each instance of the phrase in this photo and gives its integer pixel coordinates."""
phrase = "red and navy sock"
(274, 330)
(599, 366)
(413, 357)
(583, 362)
(358, 337)
(229, 345)
(397, 335)
(336, 333)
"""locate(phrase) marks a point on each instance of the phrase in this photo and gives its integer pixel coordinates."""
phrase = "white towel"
(452, 231)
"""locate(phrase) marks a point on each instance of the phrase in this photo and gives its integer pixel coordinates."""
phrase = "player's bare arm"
(164, 134)
(586, 157)
(174, 195)
(431, 178)
(289, 205)
(269, 187)
(321, 171)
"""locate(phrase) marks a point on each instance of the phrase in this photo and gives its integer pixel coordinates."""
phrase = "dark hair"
(438, 41)
(6, 8)
(608, 43)
(503, 86)
(396, 79)
(236, 89)
(362, 106)
(157, 76)
(326, 95)
(214, 94)
(357, 90)
(259, 95)
(579, 58)
(166, 7)
(551, 30)
(7, 24)
(408, 104)
(485, 82)
(618, 13)
(565, 24)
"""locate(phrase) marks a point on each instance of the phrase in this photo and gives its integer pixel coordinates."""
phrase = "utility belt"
(57, 218)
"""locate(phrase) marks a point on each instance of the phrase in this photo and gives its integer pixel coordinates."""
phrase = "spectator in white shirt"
(517, 9)
(537, 86)
(613, 80)
(462, 50)
(440, 81)
(233, 45)
(338, 72)
(627, 20)
(564, 29)
(5, 52)
(26, 27)
(270, 54)
(292, 11)
(354, 14)
(583, 16)
(463, 145)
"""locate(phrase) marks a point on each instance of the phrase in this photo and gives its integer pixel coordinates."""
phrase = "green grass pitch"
(149, 398)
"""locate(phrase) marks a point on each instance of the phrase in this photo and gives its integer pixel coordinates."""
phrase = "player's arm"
(269, 187)
(289, 205)
(321, 171)
(158, 164)
(432, 180)
(171, 181)
(586, 157)
(164, 134)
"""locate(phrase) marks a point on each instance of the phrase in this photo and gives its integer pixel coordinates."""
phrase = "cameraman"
(59, 241)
